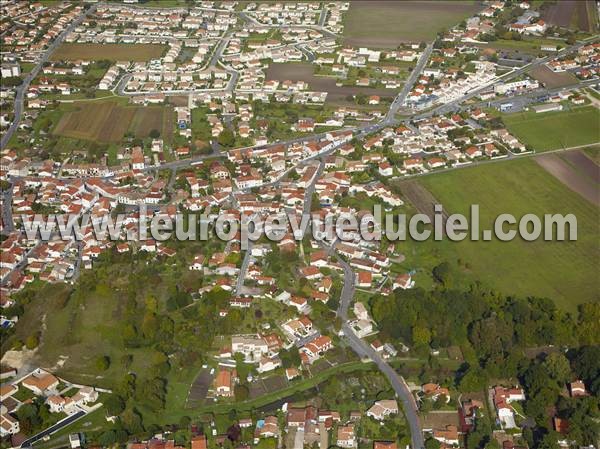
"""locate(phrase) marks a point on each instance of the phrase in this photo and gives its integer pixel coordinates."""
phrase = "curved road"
(363, 350)
(360, 347)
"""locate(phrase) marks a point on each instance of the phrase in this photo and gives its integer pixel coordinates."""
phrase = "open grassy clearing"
(558, 270)
(554, 130)
(113, 52)
(529, 45)
(109, 121)
(386, 24)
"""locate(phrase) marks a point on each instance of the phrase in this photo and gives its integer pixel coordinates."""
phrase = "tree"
(102, 363)
(472, 380)
(32, 341)
(226, 138)
(107, 438)
(558, 367)
(154, 133)
(421, 336)
(432, 443)
(441, 273)
(132, 421)
(586, 365)
(114, 405)
(290, 357)
(11, 81)
(184, 421)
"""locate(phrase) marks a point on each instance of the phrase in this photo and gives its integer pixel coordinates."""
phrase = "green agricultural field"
(558, 270)
(555, 130)
(385, 24)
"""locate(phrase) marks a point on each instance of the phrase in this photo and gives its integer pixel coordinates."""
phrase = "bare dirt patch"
(560, 13)
(422, 199)
(440, 419)
(584, 164)
(114, 52)
(552, 79)
(571, 13)
(305, 72)
(178, 100)
(199, 388)
(558, 168)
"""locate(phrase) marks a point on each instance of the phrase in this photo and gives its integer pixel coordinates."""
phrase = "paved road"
(323, 16)
(248, 18)
(454, 104)
(7, 221)
(245, 263)
(495, 160)
(55, 428)
(310, 190)
(363, 350)
(184, 162)
(22, 89)
(408, 85)
(529, 97)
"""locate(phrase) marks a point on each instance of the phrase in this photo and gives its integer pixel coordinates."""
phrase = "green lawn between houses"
(555, 130)
(561, 271)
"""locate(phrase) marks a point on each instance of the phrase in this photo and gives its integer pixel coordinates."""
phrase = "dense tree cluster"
(494, 333)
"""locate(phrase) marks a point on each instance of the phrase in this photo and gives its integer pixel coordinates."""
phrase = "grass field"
(530, 45)
(562, 271)
(386, 24)
(554, 130)
(113, 52)
(108, 121)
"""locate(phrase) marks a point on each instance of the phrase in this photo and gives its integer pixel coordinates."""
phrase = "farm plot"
(385, 24)
(583, 164)
(152, 117)
(539, 268)
(570, 177)
(108, 121)
(572, 14)
(99, 121)
(199, 388)
(112, 52)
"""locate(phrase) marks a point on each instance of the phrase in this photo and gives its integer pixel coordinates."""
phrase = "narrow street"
(361, 348)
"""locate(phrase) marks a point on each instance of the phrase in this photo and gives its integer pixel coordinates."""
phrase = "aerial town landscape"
(167, 110)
